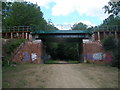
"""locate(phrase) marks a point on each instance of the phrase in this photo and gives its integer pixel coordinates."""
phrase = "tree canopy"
(63, 51)
(112, 8)
(113, 21)
(24, 14)
(79, 26)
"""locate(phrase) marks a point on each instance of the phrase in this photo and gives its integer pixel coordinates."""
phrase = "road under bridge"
(62, 36)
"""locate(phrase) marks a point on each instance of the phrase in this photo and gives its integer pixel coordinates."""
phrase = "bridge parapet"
(107, 28)
(61, 34)
(17, 29)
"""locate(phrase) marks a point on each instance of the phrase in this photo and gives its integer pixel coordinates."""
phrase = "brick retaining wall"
(24, 54)
(94, 53)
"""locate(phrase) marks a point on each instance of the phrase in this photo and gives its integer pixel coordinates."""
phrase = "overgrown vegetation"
(113, 46)
(8, 48)
(109, 43)
(63, 51)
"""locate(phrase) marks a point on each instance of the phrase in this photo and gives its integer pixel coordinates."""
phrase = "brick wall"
(93, 52)
(25, 51)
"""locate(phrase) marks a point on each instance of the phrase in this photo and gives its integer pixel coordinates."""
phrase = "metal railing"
(16, 28)
(30, 28)
(107, 28)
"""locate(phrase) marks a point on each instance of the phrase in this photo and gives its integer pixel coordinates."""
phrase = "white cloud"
(64, 26)
(66, 7)
(44, 3)
(67, 26)
(87, 22)
(88, 7)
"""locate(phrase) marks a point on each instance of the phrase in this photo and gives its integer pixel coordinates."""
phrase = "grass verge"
(73, 61)
(51, 61)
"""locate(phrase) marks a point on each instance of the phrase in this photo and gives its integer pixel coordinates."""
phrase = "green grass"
(51, 61)
(57, 61)
(16, 68)
(73, 61)
(8, 72)
(15, 76)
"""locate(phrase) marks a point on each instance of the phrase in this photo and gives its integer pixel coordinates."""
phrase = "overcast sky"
(62, 12)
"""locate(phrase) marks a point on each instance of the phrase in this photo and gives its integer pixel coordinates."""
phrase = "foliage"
(68, 51)
(73, 61)
(109, 44)
(62, 51)
(79, 26)
(51, 61)
(24, 14)
(5, 11)
(112, 8)
(51, 49)
(110, 23)
(116, 56)
(111, 20)
(87, 61)
(8, 48)
(51, 27)
(113, 46)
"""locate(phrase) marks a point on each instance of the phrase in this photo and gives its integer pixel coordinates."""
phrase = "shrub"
(116, 56)
(88, 62)
(8, 48)
(109, 43)
(113, 46)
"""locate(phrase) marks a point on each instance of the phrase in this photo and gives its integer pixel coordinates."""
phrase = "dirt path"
(79, 76)
(65, 76)
(62, 76)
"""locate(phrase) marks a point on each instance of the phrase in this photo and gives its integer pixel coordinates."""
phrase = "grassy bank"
(16, 76)
(8, 48)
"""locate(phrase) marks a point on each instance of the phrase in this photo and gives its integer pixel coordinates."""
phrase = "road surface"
(62, 76)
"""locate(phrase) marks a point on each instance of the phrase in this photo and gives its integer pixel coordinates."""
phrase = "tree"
(110, 23)
(112, 8)
(24, 13)
(51, 27)
(111, 20)
(79, 26)
(116, 56)
(109, 44)
(5, 11)
(113, 46)
(62, 51)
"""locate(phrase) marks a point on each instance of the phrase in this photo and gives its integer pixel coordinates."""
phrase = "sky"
(65, 13)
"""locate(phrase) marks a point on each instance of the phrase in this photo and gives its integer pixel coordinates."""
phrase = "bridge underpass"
(62, 36)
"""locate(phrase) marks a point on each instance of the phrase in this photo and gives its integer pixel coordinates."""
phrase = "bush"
(116, 56)
(109, 43)
(113, 46)
(8, 48)
(88, 62)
